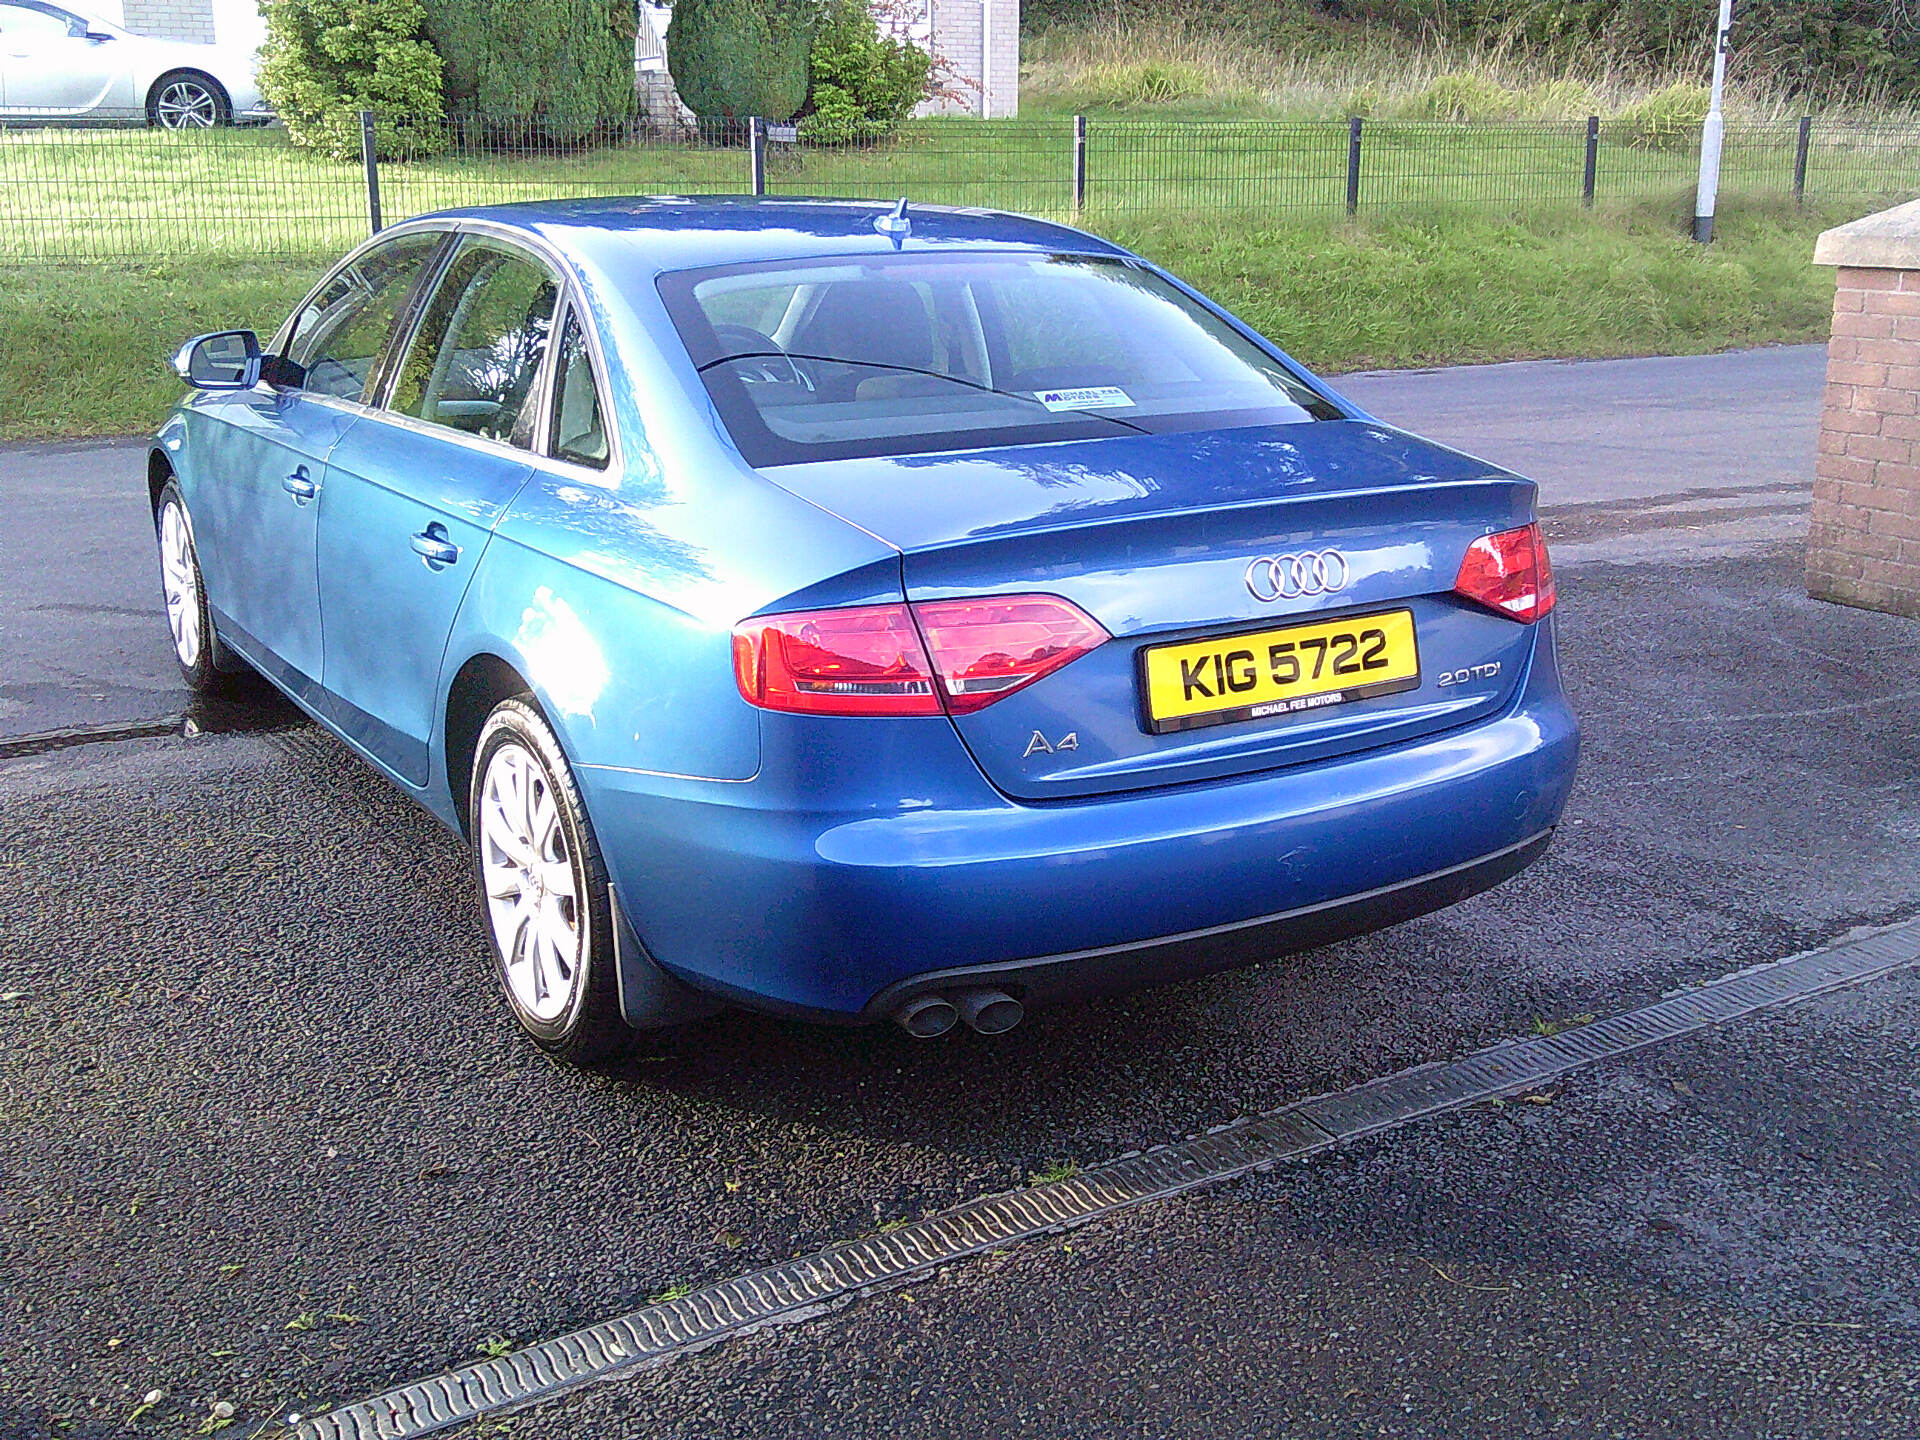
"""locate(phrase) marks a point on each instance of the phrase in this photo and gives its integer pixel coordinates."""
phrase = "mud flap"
(649, 997)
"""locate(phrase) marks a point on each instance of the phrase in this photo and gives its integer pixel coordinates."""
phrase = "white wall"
(980, 42)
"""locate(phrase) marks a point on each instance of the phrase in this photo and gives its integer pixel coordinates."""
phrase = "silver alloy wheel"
(532, 902)
(180, 581)
(186, 105)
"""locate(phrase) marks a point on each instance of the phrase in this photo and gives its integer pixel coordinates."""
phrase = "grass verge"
(84, 349)
(1467, 288)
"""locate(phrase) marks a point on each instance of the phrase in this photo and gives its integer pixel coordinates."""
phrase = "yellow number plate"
(1278, 672)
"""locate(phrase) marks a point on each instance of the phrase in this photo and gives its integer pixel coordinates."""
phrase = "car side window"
(338, 336)
(476, 356)
(26, 22)
(579, 429)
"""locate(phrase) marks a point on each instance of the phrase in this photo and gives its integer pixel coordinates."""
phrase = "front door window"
(340, 334)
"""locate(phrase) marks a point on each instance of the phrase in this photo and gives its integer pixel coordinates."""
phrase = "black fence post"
(1353, 165)
(1800, 150)
(757, 153)
(1079, 163)
(1593, 161)
(370, 158)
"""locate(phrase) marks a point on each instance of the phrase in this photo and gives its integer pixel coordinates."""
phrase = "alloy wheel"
(180, 582)
(532, 899)
(187, 105)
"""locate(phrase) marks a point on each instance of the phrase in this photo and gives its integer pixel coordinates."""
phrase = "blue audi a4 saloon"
(862, 612)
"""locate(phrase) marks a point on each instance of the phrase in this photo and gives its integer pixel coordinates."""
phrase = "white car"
(58, 64)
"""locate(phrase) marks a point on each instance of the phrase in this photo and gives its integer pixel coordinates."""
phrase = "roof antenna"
(897, 224)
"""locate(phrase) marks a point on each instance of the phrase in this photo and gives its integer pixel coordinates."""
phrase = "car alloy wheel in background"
(543, 887)
(185, 102)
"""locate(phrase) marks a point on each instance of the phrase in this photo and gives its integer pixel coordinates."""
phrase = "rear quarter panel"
(616, 597)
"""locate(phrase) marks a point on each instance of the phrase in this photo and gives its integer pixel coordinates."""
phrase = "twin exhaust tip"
(989, 1012)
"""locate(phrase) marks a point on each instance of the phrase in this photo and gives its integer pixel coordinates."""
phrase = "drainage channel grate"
(804, 1287)
(207, 718)
(41, 742)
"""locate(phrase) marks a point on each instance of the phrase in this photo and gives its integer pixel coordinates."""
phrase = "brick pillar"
(1864, 543)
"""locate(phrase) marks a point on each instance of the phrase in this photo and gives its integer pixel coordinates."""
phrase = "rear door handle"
(300, 485)
(433, 546)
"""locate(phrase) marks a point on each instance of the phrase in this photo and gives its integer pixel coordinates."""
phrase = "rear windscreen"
(904, 354)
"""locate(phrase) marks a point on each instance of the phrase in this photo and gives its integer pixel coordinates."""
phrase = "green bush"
(736, 58)
(1668, 119)
(324, 61)
(863, 83)
(535, 71)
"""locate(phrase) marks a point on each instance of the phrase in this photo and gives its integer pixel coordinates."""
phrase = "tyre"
(204, 662)
(188, 100)
(543, 889)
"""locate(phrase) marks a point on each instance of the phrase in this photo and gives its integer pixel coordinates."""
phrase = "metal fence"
(103, 192)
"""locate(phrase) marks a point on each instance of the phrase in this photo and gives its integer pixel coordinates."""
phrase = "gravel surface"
(267, 1137)
(256, 1031)
(1715, 1237)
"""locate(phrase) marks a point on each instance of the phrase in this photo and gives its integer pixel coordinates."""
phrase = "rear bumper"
(760, 893)
(1115, 969)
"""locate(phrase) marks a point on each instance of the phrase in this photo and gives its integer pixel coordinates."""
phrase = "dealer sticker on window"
(1086, 397)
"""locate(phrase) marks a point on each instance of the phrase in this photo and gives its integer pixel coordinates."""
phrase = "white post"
(986, 59)
(1712, 134)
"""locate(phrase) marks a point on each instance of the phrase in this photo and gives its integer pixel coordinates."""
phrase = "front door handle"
(433, 546)
(300, 485)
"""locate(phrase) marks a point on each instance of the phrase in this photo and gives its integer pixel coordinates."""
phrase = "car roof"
(631, 235)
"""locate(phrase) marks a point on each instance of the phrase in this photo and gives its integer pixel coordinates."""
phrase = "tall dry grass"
(1170, 63)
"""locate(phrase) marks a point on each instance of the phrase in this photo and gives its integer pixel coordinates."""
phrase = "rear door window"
(476, 355)
(579, 424)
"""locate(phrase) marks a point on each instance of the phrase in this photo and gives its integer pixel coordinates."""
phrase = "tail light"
(957, 655)
(864, 660)
(985, 649)
(1509, 573)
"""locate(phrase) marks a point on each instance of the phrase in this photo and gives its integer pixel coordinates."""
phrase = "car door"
(414, 491)
(263, 467)
(48, 65)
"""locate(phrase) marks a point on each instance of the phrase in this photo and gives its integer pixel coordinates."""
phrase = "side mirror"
(98, 37)
(228, 360)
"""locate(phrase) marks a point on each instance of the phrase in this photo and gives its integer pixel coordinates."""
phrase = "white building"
(975, 44)
(235, 23)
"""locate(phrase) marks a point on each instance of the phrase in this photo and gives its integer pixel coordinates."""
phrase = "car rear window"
(908, 354)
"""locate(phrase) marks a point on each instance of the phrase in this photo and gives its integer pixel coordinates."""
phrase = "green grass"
(1462, 288)
(84, 348)
(99, 194)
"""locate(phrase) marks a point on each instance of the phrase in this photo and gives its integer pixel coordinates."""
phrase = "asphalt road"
(1729, 435)
(266, 1136)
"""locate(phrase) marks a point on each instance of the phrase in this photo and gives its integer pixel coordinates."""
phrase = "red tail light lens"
(1509, 573)
(865, 660)
(984, 650)
(871, 660)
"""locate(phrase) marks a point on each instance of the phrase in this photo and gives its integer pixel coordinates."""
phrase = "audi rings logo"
(1292, 577)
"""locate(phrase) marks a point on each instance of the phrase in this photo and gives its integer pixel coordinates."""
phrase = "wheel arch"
(159, 472)
(482, 682)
